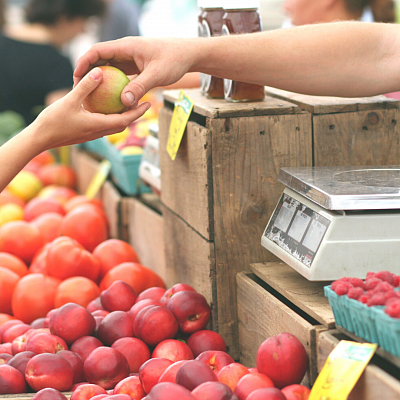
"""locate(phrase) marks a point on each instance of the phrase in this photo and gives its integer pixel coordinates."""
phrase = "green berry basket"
(388, 331)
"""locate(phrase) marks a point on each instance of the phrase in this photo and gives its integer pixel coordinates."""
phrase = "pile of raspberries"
(378, 289)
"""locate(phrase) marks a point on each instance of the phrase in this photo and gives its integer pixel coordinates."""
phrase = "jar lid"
(211, 3)
(239, 4)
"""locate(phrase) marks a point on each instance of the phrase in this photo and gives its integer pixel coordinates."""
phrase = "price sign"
(180, 117)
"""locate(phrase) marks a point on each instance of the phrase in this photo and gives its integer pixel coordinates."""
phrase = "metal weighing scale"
(332, 222)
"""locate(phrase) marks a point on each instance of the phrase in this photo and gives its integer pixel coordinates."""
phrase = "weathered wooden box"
(272, 299)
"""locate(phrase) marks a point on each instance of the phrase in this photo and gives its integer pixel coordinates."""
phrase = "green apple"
(106, 98)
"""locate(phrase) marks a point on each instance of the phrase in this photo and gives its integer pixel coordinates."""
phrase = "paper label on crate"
(180, 117)
(342, 370)
(98, 179)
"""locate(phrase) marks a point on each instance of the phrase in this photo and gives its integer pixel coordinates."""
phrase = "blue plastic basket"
(388, 329)
(97, 146)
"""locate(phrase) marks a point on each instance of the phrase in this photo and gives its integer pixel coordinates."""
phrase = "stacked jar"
(210, 24)
(241, 16)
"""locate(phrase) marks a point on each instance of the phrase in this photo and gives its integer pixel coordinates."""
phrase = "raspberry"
(370, 283)
(392, 299)
(383, 287)
(386, 276)
(356, 282)
(370, 275)
(342, 288)
(396, 280)
(365, 297)
(339, 282)
(378, 299)
(393, 309)
(355, 292)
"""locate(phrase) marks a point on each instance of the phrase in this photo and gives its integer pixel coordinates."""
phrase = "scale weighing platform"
(332, 222)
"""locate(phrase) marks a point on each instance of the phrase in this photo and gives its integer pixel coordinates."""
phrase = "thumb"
(88, 83)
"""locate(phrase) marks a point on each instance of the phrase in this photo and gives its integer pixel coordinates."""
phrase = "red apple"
(174, 350)
(193, 373)
(191, 310)
(11, 380)
(95, 305)
(205, 340)
(49, 394)
(105, 367)
(71, 322)
(213, 391)
(135, 351)
(151, 370)
(142, 304)
(283, 358)
(154, 293)
(119, 296)
(38, 206)
(156, 324)
(169, 375)
(178, 287)
(114, 326)
(87, 391)
(49, 370)
(20, 360)
(296, 392)
(169, 391)
(270, 393)
(106, 98)
(215, 359)
(231, 374)
(131, 386)
(85, 345)
(251, 382)
(45, 343)
(76, 363)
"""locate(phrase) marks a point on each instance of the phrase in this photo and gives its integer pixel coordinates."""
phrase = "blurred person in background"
(33, 71)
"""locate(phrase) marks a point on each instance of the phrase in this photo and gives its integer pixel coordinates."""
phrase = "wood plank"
(186, 181)
(220, 108)
(357, 138)
(146, 235)
(329, 105)
(261, 315)
(111, 200)
(308, 296)
(190, 259)
(374, 383)
(247, 156)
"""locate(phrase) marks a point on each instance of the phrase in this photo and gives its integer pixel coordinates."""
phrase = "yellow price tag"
(98, 179)
(342, 370)
(180, 117)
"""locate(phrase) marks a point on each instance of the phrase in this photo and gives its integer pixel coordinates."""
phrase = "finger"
(87, 85)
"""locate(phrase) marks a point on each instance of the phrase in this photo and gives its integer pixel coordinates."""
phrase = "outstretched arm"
(337, 59)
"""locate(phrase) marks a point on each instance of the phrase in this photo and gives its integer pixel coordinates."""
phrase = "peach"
(119, 296)
(191, 310)
(71, 322)
(57, 174)
(205, 340)
(270, 393)
(230, 374)
(14, 331)
(156, 324)
(49, 370)
(193, 373)
(151, 370)
(87, 391)
(213, 391)
(105, 367)
(38, 206)
(119, 396)
(11, 380)
(169, 375)
(20, 360)
(38, 323)
(49, 394)
(100, 313)
(153, 293)
(251, 382)
(6, 348)
(174, 350)
(215, 359)
(135, 351)
(116, 325)
(76, 363)
(49, 224)
(95, 305)
(7, 325)
(178, 287)
(4, 357)
(139, 305)
(19, 343)
(296, 392)
(131, 386)
(283, 358)
(85, 345)
(45, 343)
(169, 391)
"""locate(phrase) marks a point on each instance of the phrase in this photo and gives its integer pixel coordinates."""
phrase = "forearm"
(337, 59)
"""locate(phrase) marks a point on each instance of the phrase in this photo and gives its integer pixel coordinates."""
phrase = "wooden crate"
(143, 227)
(350, 131)
(380, 380)
(280, 301)
(221, 189)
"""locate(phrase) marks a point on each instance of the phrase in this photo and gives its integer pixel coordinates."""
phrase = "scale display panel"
(297, 229)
